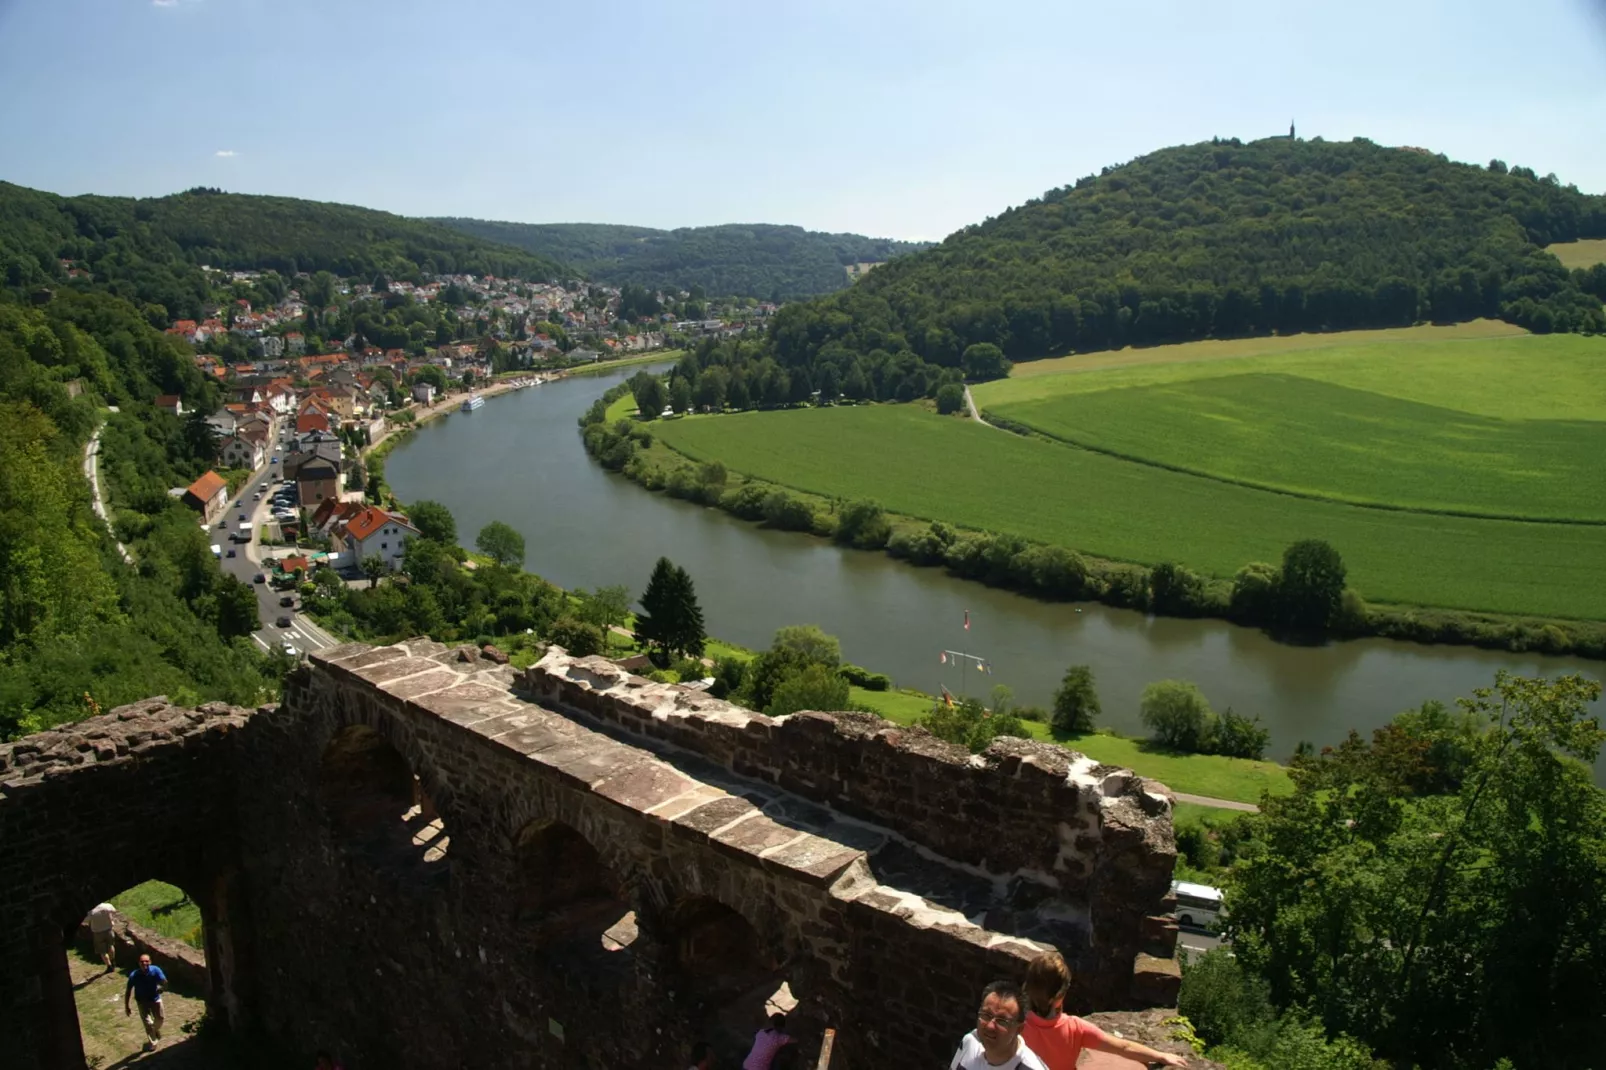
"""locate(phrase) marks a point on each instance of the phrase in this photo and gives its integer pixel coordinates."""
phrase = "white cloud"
(225, 153)
(164, 3)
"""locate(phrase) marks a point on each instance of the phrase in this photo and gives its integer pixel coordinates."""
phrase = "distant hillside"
(1224, 239)
(757, 260)
(149, 249)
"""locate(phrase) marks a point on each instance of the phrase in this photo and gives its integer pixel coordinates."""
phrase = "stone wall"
(410, 863)
(1086, 836)
(144, 792)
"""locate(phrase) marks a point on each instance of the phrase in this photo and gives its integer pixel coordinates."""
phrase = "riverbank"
(1044, 570)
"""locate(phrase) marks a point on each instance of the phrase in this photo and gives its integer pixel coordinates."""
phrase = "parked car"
(230, 553)
(221, 524)
(290, 648)
(259, 578)
(287, 600)
(242, 518)
(283, 621)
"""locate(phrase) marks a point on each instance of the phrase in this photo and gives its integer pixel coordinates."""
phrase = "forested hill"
(1223, 239)
(149, 250)
(734, 260)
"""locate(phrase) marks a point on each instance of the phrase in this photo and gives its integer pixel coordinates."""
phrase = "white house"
(237, 451)
(423, 393)
(374, 533)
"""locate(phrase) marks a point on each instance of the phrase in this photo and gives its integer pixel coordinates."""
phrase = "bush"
(862, 677)
(863, 524)
(781, 510)
(1175, 591)
(969, 724)
(577, 637)
(817, 687)
(1177, 716)
(1238, 736)
(950, 398)
(1220, 998)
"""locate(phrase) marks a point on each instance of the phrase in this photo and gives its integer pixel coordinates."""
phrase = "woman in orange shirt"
(1059, 1038)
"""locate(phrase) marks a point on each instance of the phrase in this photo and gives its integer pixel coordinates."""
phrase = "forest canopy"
(734, 260)
(150, 251)
(1225, 239)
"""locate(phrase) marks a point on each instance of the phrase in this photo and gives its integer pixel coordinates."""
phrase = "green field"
(979, 477)
(1306, 436)
(1579, 254)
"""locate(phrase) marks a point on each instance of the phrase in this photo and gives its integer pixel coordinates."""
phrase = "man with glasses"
(995, 1043)
(145, 985)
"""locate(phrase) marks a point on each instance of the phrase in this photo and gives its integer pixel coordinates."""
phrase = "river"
(520, 459)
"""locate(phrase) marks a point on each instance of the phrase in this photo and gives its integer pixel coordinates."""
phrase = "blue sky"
(905, 119)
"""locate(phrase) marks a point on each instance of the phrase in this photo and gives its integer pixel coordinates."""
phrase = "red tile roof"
(206, 488)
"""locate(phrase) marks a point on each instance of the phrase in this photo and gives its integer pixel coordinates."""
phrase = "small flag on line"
(943, 657)
(967, 620)
(947, 697)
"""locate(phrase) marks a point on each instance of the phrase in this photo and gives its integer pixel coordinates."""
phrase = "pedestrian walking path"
(1222, 804)
(92, 473)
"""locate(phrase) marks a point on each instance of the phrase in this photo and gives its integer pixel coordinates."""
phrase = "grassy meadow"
(979, 477)
(1586, 252)
(1310, 437)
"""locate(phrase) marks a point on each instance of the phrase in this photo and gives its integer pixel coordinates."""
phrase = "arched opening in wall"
(103, 958)
(572, 907)
(378, 805)
(730, 985)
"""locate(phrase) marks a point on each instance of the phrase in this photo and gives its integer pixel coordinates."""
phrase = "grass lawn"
(165, 908)
(1235, 779)
(1288, 432)
(1586, 252)
(978, 477)
(626, 362)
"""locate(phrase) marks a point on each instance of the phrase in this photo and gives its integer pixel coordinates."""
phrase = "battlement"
(498, 854)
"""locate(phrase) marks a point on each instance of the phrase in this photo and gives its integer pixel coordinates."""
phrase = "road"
(247, 565)
(92, 473)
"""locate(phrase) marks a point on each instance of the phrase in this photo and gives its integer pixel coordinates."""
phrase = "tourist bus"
(1199, 906)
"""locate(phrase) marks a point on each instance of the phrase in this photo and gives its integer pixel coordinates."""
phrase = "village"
(298, 414)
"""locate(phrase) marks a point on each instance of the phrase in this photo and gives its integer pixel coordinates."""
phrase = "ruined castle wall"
(1021, 809)
(436, 966)
(144, 792)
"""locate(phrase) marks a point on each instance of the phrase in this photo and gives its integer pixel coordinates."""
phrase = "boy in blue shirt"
(145, 984)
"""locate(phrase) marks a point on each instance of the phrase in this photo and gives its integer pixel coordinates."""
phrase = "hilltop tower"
(1291, 130)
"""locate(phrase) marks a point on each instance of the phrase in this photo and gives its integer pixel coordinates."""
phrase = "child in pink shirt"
(1059, 1038)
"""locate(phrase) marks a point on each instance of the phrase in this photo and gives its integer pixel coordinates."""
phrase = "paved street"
(247, 563)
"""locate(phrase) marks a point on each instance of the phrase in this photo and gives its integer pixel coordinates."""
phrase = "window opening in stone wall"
(378, 805)
(572, 907)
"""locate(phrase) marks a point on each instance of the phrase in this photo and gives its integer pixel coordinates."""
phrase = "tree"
(650, 395)
(606, 607)
(502, 544)
(236, 607)
(855, 386)
(812, 645)
(863, 524)
(432, 375)
(374, 566)
(1177, 715)
(1001, 699)
(580, 638)
(950, 398)
(670, 620)
(983, 360)
(434, 521)
(1446, 930)
(816, 687)
(1076, 703)
(1311, 586)
(680, 395)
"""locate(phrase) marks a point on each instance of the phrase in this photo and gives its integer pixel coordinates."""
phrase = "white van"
(1199, 906)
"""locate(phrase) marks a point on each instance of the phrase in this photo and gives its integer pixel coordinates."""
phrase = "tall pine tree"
(670, 620)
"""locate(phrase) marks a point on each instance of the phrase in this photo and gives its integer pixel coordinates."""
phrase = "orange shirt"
(1059, 1040)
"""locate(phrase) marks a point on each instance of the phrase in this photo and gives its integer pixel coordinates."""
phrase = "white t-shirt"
(971, 1056)
(100, 919)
